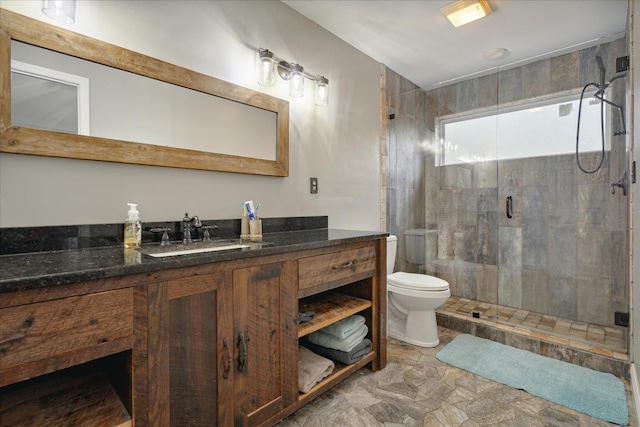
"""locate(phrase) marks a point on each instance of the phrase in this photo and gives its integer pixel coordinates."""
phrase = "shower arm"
(620, 109)
(600, 95)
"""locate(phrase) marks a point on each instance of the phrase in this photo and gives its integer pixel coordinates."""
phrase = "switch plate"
(313, 185)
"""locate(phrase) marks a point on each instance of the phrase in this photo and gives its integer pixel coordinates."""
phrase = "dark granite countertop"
(43, 269)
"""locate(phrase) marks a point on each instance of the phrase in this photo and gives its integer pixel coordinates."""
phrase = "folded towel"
(305, 316)
(347, 344)
(357, 353)
(312, 369)
(344, 327)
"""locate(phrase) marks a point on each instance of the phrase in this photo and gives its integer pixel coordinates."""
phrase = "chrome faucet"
(186, 227)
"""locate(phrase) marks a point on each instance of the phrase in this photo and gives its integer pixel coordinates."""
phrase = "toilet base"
(420, 328)
(400, 337)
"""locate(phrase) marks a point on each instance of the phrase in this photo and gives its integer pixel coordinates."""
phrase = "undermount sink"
(193, 248)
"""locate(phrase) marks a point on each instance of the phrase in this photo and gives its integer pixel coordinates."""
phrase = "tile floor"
(416, 389)
(609, 341)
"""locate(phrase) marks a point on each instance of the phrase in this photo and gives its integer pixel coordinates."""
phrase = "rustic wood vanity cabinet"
(65, 356)
(203, 345)
(226, 343)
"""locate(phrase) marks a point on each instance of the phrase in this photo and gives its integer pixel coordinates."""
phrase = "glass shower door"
(468, 196)
(562, 236)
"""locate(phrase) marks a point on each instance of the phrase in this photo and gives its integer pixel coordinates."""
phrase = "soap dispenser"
(132, 227)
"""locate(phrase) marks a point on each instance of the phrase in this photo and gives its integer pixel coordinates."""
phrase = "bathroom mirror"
(158, 131)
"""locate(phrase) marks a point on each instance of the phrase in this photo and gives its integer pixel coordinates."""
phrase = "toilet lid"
(417, 281)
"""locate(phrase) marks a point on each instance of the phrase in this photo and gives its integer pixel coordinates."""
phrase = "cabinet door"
(265, 331)
(200, 351)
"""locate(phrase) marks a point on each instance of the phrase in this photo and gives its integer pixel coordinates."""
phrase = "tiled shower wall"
(564, 252)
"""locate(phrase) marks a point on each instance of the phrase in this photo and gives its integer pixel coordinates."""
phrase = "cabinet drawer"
(37, 331)
(342, 267)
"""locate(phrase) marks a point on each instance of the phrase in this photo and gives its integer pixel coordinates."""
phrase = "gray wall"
(338, 144)
(564, 251)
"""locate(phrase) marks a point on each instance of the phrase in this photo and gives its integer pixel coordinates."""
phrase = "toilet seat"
(417, 282)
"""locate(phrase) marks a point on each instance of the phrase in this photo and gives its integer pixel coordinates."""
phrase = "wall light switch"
(314, 185)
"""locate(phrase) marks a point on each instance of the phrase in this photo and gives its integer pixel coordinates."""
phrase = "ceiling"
(414, 39)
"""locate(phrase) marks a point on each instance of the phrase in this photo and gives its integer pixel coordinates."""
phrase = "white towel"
(312, 369)
(347, 344)
(345, 327)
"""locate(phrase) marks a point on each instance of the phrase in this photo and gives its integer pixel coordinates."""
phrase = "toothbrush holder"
(255, 230)
(244, 228)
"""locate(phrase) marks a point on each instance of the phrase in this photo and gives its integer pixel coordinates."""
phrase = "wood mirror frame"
(22, 140)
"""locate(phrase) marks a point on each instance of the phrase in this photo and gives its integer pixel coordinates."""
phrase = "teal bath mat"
(594, 393)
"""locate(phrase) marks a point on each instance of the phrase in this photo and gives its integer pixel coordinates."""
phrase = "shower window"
(534, 129)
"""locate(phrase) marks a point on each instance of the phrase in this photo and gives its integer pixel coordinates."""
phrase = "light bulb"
(296, 81)
(265, 68)
(322, 91)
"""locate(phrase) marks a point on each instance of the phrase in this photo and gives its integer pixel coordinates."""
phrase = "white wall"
(338, 144)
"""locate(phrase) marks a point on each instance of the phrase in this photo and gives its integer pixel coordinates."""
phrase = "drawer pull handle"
(14, 337)
(242, 347)
(345, 265)
(229, 360)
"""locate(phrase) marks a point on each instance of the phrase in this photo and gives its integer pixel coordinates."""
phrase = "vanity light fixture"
(464, 11)
(266, 76)
(322, 91)
(61, 10)
(296, 80)
(294, 73)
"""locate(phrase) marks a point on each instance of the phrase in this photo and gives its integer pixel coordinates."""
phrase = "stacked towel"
(345, 327)
(357, 353)
(312, 369)
(344, 335)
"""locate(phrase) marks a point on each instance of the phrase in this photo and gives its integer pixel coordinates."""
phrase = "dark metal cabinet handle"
(345, 265)
(242, 349)
(509, 207)
(229, 359)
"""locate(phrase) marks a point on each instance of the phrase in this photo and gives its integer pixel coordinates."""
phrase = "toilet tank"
(421, 246)
(392, 245)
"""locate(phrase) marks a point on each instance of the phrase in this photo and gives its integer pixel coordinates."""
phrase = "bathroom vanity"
(205, 339)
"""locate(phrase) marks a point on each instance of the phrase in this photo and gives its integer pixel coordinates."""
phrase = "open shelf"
(339, 373)
(64, 398)
(329, 308)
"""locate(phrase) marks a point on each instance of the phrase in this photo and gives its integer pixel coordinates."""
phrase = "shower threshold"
(594, 346)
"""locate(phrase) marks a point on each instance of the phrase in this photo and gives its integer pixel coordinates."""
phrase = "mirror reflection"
(128, 107)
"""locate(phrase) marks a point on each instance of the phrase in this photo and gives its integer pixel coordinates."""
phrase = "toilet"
(413, 298)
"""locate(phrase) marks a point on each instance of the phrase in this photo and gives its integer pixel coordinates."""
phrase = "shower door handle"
(509, 207)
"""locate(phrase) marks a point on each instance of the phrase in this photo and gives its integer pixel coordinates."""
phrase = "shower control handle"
(622, 183)
(509, 207)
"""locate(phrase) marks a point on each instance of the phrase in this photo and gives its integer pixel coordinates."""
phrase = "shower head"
(603, 71)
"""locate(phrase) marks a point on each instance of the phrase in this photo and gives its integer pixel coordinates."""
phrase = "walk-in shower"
(553, 260)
